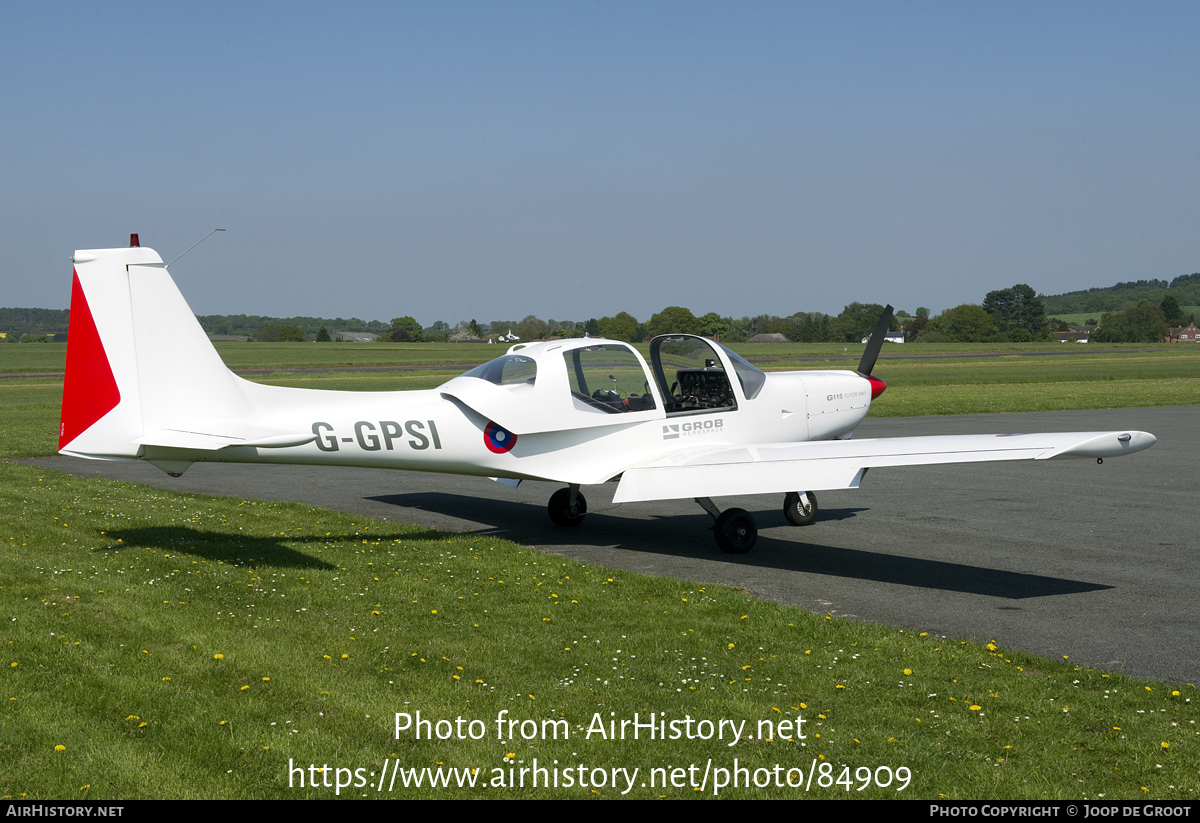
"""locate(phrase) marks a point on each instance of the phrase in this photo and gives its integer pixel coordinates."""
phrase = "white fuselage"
(435, 431)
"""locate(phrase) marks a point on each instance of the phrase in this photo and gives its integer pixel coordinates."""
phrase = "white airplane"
(143, 382)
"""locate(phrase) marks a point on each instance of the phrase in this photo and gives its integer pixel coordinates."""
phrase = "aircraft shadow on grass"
(675, 536)
(237, 549)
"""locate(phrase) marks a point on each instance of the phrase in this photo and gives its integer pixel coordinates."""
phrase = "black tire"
(735, 531)
(560, 510)
(796, 514)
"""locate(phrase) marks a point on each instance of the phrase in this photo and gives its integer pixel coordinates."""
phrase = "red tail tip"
(133, 241)
(877, 387)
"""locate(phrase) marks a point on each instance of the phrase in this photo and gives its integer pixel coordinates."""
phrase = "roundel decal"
(498, 440)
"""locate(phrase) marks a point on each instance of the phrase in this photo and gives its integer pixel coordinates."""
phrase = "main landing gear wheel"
(735, 531)
(563, 512)
(800, 509)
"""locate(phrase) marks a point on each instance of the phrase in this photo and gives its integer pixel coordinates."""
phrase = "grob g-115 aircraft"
(143, 382)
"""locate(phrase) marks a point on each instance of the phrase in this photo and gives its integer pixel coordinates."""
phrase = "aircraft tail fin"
(137, 359)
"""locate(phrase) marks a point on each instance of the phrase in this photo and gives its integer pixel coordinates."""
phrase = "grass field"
(458, 357)
(165, 645)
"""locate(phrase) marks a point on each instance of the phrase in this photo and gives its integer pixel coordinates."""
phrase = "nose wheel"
(567, 507)
(800, 508)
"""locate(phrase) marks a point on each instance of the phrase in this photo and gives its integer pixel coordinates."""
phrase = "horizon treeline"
(1016, 314)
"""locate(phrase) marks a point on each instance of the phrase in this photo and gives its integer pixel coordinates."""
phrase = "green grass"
(458, 357)
(910, 401)
(29, 411)
(32, 357)
(1098, 379)
(1016, 384)
(182, 646)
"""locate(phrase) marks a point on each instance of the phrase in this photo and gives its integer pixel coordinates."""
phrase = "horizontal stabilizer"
(213, 437)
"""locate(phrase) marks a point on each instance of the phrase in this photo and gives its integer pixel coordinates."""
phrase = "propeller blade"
(875, 343)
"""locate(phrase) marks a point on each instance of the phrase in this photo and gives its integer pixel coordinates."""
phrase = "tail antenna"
(189, 248)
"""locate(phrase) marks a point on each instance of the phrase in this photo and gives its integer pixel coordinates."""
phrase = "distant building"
(774, 337)
(890, 337)
(1183, 334)
(353, 336)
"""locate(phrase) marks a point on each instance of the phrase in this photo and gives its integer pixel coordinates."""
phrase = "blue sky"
(571, 160)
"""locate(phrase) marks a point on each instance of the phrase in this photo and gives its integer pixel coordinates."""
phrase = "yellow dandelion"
(218, 657)
(266, 678)
(908, 671)
(1165, 744)
(244, 688)
(60, 748)
(975, 707)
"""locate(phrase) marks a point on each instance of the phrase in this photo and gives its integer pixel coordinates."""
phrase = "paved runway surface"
(1098, 562)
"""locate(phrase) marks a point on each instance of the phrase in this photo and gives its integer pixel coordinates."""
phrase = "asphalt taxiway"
(1100, 563)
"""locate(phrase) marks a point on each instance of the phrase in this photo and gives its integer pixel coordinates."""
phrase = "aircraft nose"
(877, 386)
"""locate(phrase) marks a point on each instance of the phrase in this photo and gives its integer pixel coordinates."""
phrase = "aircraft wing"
(767, 468)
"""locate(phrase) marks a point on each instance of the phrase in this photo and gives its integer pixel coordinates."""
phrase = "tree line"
(1184, 290)
(1014, 314)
